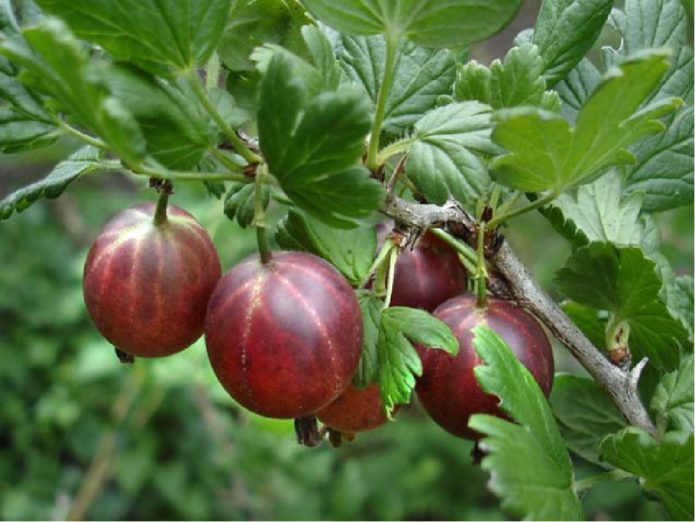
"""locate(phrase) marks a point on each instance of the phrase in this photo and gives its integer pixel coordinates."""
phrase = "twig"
(620, 385)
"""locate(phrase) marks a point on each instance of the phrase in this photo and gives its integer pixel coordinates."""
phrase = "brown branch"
(620, 385)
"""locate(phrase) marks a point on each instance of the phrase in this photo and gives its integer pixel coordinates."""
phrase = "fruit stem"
(165, 189)
(466, 251)
(481, 272)
(393, 257)
(259, 218)
(384, 89)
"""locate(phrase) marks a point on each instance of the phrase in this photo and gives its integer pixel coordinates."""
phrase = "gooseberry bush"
(359, 117)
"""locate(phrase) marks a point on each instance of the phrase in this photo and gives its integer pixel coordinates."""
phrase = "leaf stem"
(466, 251)
(145, 170)
(393, 257)
(378, 261)
(76, 133)
(384, 89)
(481, 270)
(230, 133)
(540, 202)
(394, 148)
(259, 219)
(590, 482)
(226, 161)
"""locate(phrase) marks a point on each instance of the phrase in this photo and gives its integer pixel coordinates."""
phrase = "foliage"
(311, 117)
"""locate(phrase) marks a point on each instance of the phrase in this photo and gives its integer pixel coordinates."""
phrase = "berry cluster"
(284, 337)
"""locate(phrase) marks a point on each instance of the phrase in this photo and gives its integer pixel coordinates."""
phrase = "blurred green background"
(84, 437)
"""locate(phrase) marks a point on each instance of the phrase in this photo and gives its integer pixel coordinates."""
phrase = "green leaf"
(664, 167)
(399, 363)
(368, 369)
(253, 23)
(565, 31)
(312, 146)
(443, 161)
(665, 467)
(84, 161)
(576, 88)
(545, 153)
(176, 133)
(590, 321)
(432, 23)
(516, 81)
(623, 281)
(240, 202)
(585, 414)
(350, 251)
(161, 36)
(55, 63)
(19, 132)
(421, 76)
(672, 401)
(529, 464)
(597, 213)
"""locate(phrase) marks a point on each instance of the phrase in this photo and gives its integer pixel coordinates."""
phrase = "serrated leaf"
(161, 36)
(665, 467)
(530, 468)
(253, 23)
(672, 401)
(565, 31)
(79, 163)
(432, 23)
(176, 133)
(399, 363)
(516, 81)
(55, 63)
(19, 132)
(420, 76)
(312, 146)
(240, 202)
(664, 167)
(545, 153)
(622, 280)
(597, 212)
(585, 414)
(368, 369)
(350, 251)
(443, 161)
(576, 88)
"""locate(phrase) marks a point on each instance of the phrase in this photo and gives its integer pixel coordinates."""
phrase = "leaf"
(312, 146)
(623, 281)
(591, 322)
(368, 369)
(516, 81)
(665, 468)
(399, 363)
(664, 167)
(161, 36)
(597, 213)
(432, 23)
(83, 161)
(565, 31)
(672, 401)
(576, 88)
(253, 23)
(350, 251)
(176, 133)
(443, 160)
(240, 202)
(19, 132)
(420, 76)
(545, 153)
(55, 63)
(585, 414)
(529, 465)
